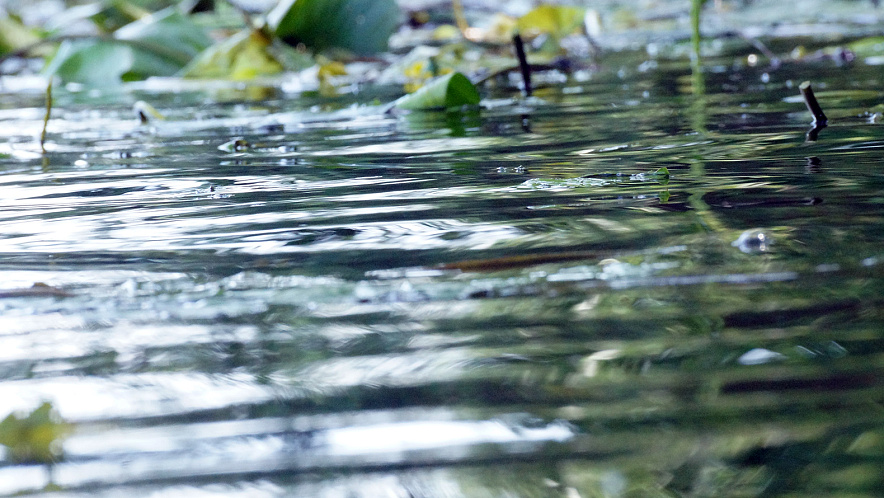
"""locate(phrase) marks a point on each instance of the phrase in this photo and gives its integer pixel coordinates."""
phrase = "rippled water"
(510, 302)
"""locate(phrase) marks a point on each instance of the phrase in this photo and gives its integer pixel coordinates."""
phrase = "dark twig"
(819, 117)
(523, 63)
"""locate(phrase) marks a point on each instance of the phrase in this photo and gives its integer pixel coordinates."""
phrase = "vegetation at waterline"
(137, 39)
(338, 44)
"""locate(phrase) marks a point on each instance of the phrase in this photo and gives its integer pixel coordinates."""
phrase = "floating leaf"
(328, 70)
(14, 35)
(158, 45)
(35, 437)
(146, 112)
(243, 56)
(163, 42)
(444, 92)
(868, 47)
(446, 32)
(557, 21)
(359, 26)
(91, 62)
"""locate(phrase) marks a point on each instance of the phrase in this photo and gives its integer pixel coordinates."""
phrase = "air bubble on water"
(753, 242)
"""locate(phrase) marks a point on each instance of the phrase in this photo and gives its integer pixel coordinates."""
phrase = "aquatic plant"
(34, 437)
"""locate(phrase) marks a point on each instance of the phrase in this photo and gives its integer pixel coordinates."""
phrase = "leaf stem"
(460, 18)
(696, 8)
(46, 116)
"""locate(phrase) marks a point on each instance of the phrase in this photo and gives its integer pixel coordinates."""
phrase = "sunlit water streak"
(365, 304)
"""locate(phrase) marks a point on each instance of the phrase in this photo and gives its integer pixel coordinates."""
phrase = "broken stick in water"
(523, 63)
(819, 117)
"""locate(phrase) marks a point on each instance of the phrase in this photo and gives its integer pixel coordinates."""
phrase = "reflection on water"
(359, 304)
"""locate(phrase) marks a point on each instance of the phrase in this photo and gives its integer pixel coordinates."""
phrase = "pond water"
(515, 301)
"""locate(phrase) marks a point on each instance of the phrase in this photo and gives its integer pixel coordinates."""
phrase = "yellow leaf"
(417, 71)
(243, 56)
(33, 437)
(14, 35)
(446, 32)
(556, 21)
(333, 68)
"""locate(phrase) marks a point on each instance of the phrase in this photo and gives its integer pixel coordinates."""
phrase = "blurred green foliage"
(157, 45)
(137, 39)
(14, 35)
(362, 27)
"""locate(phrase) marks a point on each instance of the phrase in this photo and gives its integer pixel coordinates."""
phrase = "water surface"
(506, 302)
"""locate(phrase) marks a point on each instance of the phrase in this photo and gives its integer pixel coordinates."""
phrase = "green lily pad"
(362, 27)
(167, 34)
(445, 92)
(91, 62)
(868, 47)
(158, 45)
